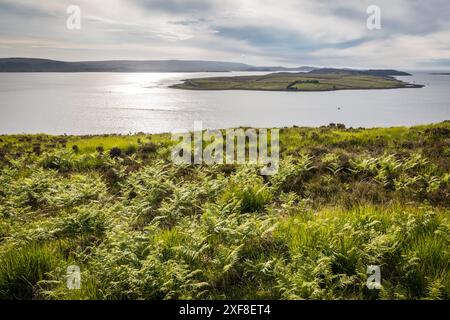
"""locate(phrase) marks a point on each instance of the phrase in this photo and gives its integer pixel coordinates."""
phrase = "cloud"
(175, 6)
(438, 62)
(290, 32)
(267, 37)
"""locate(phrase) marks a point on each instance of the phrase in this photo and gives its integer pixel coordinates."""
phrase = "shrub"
(437, 132)
(131, 149)
(253, 199)
(84, 222)
(148, 148)
(61, 161)
(115, 152)
(113, 176)
(3, 152)
(247, 189)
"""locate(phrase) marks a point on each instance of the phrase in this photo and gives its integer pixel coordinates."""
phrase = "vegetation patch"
(142, 227)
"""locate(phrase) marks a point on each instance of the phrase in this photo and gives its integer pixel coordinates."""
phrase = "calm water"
(90, 103)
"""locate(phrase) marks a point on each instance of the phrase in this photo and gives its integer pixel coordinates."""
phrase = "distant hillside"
(45, 65)
(298, 69)
(370, 72)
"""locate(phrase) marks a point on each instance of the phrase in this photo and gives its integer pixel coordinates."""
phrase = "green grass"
(294, 82)
(141, 227)
(312, 86)
(89, 145)
(22, 269)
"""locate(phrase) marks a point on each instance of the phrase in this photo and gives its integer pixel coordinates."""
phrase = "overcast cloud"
(414, 34)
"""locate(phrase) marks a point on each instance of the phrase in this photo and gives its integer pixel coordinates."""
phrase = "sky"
(414, 34)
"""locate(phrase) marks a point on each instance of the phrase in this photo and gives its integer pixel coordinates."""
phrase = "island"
(316, 80)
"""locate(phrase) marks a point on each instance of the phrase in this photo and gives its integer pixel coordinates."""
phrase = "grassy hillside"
(141, 227)
(296, 82)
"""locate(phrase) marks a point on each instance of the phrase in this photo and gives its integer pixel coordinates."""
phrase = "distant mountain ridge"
(370, 72)
(46, 65)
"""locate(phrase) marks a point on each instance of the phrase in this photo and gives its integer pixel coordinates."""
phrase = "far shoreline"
(412, 86)
(335, 126)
